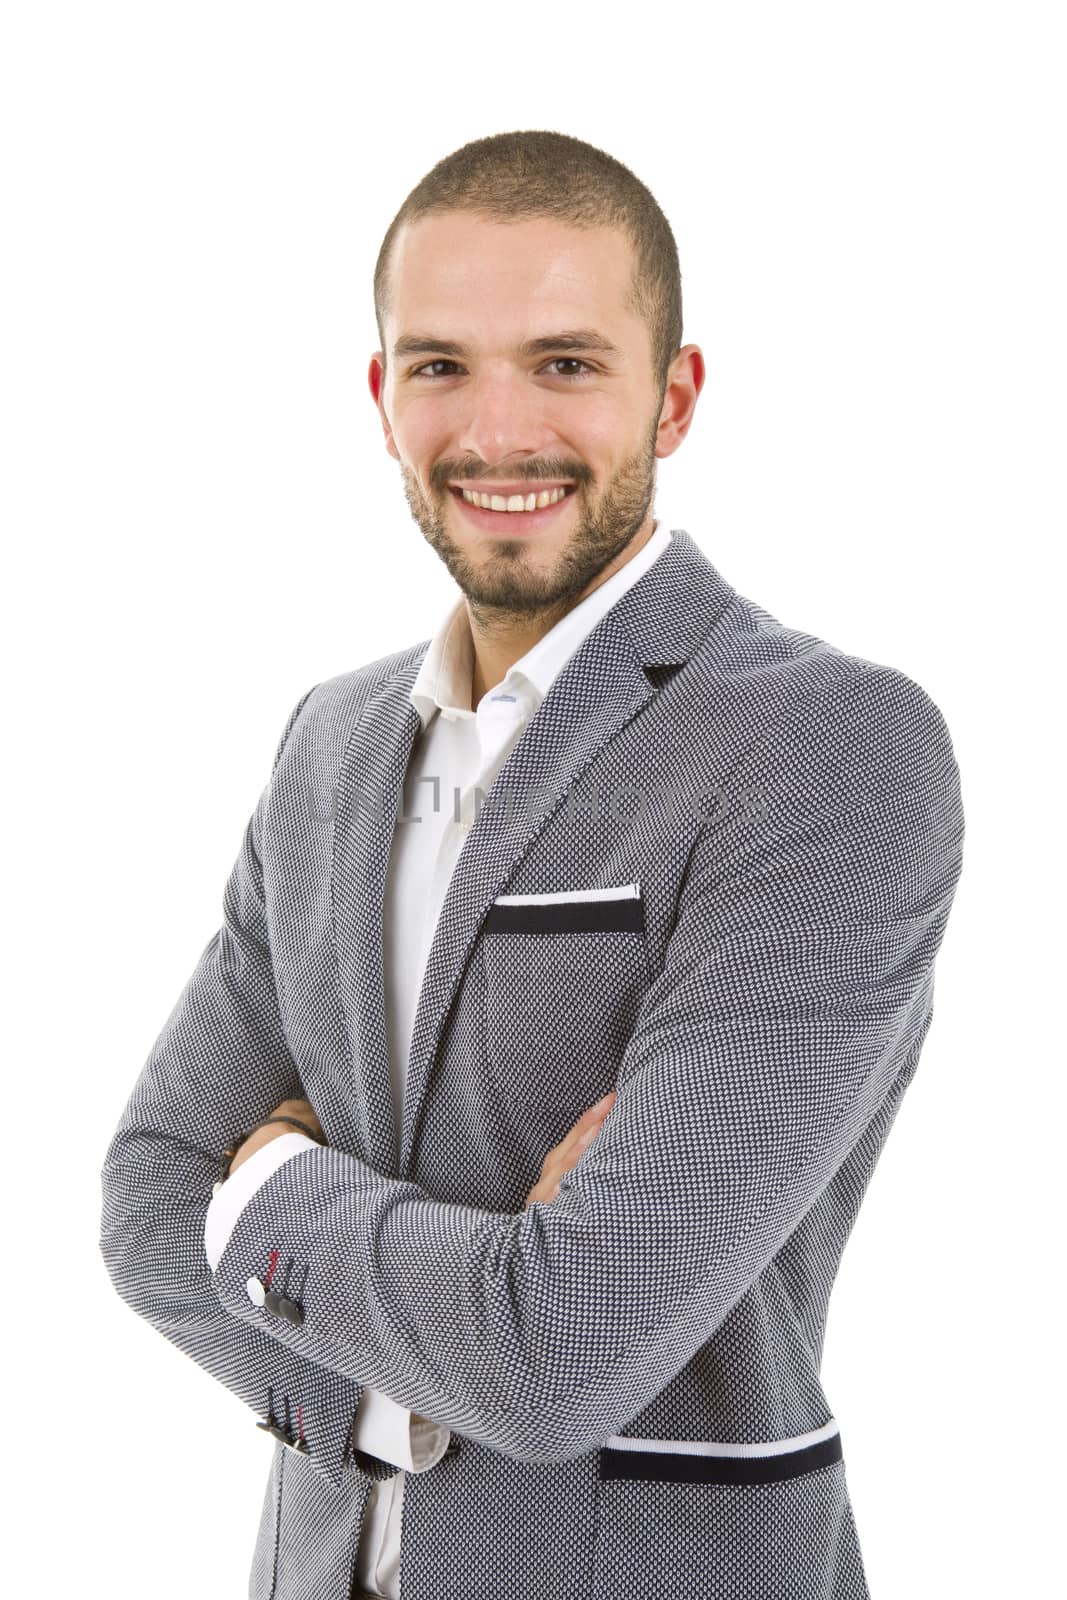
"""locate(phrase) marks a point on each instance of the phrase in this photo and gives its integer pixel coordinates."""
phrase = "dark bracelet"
(231, 1150)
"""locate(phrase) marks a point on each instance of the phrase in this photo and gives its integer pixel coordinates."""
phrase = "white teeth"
(514, 502)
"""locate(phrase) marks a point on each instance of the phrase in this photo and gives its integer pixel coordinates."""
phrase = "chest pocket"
(565, 974)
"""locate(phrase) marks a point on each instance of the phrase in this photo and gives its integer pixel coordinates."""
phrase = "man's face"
(463, 405)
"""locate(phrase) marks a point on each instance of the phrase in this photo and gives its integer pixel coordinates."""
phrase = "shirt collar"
(443, 682)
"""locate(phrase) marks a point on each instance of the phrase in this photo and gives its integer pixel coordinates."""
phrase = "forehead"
(515, 274)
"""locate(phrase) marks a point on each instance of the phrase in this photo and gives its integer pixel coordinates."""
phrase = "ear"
(376, 381)
(684, 383)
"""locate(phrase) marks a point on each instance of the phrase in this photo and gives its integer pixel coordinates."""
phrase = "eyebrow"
(586, 340)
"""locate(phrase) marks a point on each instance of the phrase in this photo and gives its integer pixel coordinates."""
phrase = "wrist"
(255, 1141)
(272, 1127)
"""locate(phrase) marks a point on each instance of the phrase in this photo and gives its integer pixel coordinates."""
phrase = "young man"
(583, 954)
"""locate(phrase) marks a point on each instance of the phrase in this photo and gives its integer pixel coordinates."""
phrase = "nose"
(505, 420)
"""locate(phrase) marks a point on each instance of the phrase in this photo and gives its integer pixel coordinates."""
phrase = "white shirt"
(459, 752)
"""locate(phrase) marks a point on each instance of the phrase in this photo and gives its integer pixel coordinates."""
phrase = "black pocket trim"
(625, 915)
(670, 1467)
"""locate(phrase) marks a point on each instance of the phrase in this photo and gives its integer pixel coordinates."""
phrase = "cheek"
(416, 434)
(596, 431)
(422, 440)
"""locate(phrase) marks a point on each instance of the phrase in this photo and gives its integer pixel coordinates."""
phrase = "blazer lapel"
(369, 792)
(658, 622)
(596, 694)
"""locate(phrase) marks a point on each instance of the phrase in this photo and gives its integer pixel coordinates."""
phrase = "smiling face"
(514, 368)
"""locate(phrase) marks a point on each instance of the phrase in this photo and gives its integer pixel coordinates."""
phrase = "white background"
(201, 521)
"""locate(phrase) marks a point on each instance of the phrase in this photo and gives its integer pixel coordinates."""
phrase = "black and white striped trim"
(698, 1461)
(617, 909)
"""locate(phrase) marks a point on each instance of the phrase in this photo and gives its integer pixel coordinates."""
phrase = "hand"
(262, 1136)
(565, 1155)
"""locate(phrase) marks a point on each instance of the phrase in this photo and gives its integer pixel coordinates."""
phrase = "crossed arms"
(794, 997)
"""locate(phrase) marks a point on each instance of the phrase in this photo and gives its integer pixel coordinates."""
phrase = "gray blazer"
(630, 1374)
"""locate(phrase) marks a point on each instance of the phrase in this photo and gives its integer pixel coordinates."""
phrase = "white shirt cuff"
(230, 1197)
(389, 1430)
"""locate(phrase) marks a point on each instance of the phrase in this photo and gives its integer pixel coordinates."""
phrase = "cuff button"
(291, 1310)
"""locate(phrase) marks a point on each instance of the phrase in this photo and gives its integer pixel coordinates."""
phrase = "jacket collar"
(443, 681)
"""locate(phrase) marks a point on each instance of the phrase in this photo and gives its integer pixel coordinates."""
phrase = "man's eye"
(569, 361)
(419, 372)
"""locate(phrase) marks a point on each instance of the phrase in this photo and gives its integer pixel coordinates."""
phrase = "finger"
(568, 1154)
(546, 1190)
(593, 1116)
(559, 1162)
(587, 1119)
(563, 1156)
(588, 1122)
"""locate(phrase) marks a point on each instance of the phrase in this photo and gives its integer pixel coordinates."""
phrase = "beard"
(504, 585)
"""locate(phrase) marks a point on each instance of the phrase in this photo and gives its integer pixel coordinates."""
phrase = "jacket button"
(291, 1310)
(256, 1291)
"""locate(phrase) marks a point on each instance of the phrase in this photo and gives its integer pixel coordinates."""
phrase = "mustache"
(547, 471)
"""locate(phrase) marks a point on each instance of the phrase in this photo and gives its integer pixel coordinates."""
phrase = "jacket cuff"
(230, 1196)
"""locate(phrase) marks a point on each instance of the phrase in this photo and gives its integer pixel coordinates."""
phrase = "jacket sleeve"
(792, 1004)
(220, 1064)
(381, 1427)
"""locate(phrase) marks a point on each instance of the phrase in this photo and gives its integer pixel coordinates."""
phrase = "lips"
(511, 524)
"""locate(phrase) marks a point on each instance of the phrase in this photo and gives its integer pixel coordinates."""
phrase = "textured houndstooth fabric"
(632, 1372)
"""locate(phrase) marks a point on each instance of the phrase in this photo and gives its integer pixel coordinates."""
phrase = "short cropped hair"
(539, 173)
